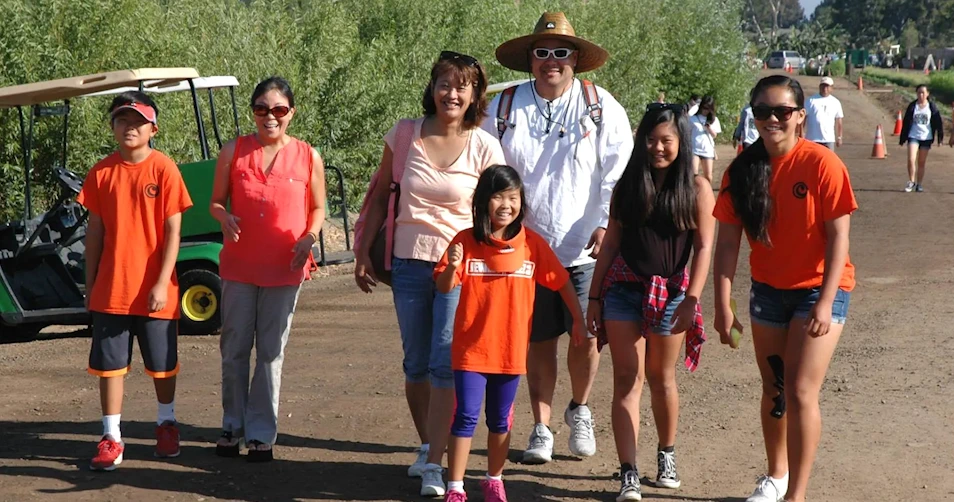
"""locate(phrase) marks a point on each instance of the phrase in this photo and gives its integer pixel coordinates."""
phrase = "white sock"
(167, 412)
(781, 482)
(455, 486)
(111, 427)
(495, 478)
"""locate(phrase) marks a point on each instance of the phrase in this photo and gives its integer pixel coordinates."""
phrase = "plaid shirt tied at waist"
(657, 291)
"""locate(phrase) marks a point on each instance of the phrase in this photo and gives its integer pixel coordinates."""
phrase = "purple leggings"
(470, 387)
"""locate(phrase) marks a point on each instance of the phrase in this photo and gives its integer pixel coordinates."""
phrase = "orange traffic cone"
(861, 83)
(877, 152)
(897, 125)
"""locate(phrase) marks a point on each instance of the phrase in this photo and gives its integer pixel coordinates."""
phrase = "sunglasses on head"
(782, 113)
(276, 111)
(673, 107)
(543, 53)
(464, 58)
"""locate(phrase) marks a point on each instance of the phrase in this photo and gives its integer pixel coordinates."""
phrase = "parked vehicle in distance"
(777, 59)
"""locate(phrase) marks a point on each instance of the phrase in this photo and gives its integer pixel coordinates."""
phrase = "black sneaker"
(667, 476)
(629, 487)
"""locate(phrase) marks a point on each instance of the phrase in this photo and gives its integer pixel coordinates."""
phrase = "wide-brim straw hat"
(515, 54)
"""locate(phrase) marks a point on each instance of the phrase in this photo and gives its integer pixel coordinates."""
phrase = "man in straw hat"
(570, 150)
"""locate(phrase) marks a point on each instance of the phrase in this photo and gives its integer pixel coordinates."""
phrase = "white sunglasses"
(561, 53)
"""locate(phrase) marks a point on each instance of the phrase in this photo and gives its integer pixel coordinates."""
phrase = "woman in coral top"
(793, 200)
(445, 154)
(269, 196)
(497, 264)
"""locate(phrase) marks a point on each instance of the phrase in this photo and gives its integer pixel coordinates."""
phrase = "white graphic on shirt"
(478, 267)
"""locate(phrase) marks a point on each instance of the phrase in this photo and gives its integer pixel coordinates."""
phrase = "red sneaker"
(109, 454)
(167, 440)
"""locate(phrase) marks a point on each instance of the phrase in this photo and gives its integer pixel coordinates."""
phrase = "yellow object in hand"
(735, 336)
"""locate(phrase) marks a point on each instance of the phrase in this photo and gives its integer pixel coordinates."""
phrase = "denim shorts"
(426, 319)
(551, 317)
(624, 302)
(777, 307)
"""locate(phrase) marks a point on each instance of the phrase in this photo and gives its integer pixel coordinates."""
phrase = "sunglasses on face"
(464, 58)
(276, 111)
(673, 107)
(559, 54)
(782, 113)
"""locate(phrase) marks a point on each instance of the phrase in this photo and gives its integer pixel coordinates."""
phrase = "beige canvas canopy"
(66, 88)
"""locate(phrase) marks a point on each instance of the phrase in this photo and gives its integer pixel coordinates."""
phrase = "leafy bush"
(837, 68)
(942, 86)
(356, 66)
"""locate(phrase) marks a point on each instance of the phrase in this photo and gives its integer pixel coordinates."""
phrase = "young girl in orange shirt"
(793, 200)
(498, 263)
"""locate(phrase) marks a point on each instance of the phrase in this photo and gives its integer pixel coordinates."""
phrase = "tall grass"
(356, 66)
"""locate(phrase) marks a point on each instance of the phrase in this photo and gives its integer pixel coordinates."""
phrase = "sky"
(809, 6)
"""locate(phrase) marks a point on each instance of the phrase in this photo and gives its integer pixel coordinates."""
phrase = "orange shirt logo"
(478, 267)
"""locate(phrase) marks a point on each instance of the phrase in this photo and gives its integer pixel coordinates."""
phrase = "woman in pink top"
(446, 155)
(274, 186)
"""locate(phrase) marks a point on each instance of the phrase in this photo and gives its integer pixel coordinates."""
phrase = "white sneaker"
(432, 482)
(417, 468)
(769, 490)
(582, 439)
(909, 187)
(629, 487)
(540, 448)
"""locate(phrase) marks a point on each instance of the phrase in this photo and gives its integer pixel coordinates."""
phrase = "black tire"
(204, 315)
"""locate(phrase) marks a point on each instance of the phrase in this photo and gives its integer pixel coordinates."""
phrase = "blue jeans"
(426, 319)
(624, 302)
(777, 307)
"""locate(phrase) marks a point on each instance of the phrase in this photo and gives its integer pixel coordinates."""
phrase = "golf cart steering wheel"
(68, 180)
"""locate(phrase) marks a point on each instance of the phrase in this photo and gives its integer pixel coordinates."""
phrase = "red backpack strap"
(503, 111)
(593, 105)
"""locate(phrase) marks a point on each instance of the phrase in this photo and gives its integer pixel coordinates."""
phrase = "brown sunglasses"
(276, 111)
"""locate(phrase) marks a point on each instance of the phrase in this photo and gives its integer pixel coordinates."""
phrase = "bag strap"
(403, 137)
(503, 110)
(593, 105)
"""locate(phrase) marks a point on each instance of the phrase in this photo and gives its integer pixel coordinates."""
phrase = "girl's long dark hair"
(496, 178)
(751, 172)
(636, 200)
(707, 109)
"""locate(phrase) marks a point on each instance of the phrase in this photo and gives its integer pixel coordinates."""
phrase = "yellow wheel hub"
(199, 303)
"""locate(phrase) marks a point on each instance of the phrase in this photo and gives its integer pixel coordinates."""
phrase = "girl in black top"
(661, 214)
(922, 125)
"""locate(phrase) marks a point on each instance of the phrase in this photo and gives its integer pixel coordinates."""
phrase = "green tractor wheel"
(200, 303)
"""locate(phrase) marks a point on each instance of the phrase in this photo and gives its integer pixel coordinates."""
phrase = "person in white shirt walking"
(705, 127)
(746, 132)
(922, 125)
(823, 116)
(570, 141)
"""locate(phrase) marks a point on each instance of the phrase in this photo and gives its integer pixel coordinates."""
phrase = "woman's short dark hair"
(635, 199)
(918, 88)
(130, 97)
(274, 84)
(496, 178)
(750, 173)
(465, 73)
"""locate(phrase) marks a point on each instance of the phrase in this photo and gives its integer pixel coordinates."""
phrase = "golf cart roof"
(66, 88)
(200, 83)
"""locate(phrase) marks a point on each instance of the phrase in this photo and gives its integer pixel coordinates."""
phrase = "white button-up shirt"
(568, 180)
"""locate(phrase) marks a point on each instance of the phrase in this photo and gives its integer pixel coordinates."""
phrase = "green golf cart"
(42, 278)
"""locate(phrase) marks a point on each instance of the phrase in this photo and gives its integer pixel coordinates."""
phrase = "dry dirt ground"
(346, 433)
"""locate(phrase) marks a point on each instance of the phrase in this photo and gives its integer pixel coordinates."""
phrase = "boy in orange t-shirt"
(135, 198)
(498, 264)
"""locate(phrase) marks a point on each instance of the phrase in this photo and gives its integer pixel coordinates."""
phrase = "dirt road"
(346, 433)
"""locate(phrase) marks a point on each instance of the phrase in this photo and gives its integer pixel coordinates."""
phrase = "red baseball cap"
(147, 112)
